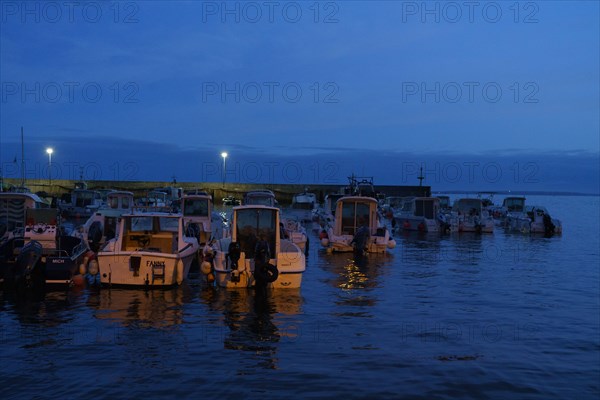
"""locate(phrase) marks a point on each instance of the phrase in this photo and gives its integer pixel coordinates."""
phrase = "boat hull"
(143, 268)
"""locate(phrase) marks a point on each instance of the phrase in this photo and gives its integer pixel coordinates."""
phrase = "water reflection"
(257, 322)
(140, 308)
(53, 309)
(352, 272)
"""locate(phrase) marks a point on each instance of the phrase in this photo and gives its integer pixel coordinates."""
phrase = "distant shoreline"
(515, 193)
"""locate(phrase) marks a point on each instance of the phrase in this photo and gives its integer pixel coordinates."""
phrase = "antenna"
(22, 160)
(421, 177)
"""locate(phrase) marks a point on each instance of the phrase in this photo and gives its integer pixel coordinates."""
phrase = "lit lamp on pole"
(224, 155)
(50, 150)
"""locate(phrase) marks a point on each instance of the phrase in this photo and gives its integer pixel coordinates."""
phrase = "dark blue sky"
(305, 91)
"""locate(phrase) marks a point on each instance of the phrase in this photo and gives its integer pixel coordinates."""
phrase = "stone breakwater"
(284, 192)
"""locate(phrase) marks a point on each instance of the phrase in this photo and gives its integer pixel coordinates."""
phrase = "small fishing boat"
(468, 215)
(357, 227)
(420, 214)
(151, 249)
(231, 201)
(199, 217)
(42, 255)
(256, 254)
(304, 206)
(535, 219)
(102, 225)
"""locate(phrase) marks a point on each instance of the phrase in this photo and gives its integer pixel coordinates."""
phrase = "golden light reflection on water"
(353, 277)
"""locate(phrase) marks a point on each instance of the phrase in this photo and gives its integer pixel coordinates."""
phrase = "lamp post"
(224, 155)
(50, 150)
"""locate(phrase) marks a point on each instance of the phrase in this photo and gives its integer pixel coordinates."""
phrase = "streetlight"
(49, 150)
(224, 155)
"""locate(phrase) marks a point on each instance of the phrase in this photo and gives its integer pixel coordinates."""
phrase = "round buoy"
(391, 244)
(78, 280)
(324, 242)
(93, 268)
(210, 278)
(205, 267)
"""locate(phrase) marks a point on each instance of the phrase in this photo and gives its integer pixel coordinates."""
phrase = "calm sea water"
(463, 316)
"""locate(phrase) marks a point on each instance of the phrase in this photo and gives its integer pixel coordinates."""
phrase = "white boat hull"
(290, 264)
(142, 268)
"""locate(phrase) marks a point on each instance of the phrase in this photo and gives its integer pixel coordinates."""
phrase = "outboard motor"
(28, 273)
(234, 253)
(264, 272)
(95, 236)
(548, 225)
(361, 240)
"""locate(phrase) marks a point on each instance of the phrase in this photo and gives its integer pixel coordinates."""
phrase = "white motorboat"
(151, 249)
(293, 230)
(256, 254)
(42, 255)
(468, 215)
(326, 214)
(81, 202)
(290, 229)
(198, 215)
(102, 225)
(356, 227)
(535, 219)
(13, 212)
(304, 206)
(420, 214)
(154, 201)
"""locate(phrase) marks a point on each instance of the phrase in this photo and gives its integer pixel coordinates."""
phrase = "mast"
(22, 160)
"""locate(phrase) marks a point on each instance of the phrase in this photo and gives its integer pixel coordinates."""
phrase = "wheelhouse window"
(196, 207)
(354, 215)
(253, 225)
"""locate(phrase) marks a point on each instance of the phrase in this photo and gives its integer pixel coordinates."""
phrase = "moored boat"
(151, 249)
(256, 254)
(357, 228)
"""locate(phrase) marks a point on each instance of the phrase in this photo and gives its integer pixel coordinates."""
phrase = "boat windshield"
(514, 204)
(150, 223)
(425, 208)
(354, 215)
(254, 224)
(195, 207)
(85, 198)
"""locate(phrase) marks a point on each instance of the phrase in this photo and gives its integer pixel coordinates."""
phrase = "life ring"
(265, 273)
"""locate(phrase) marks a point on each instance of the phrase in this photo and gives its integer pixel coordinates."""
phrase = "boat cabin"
(252, 224)
(151, 232)
(262, 197)
(354, 212)
(13, 207)
(467, 206)
(514, 204)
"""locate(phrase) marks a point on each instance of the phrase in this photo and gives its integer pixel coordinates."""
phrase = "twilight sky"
(484, 95)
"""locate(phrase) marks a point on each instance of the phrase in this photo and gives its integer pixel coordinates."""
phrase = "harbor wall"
(283, 192)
